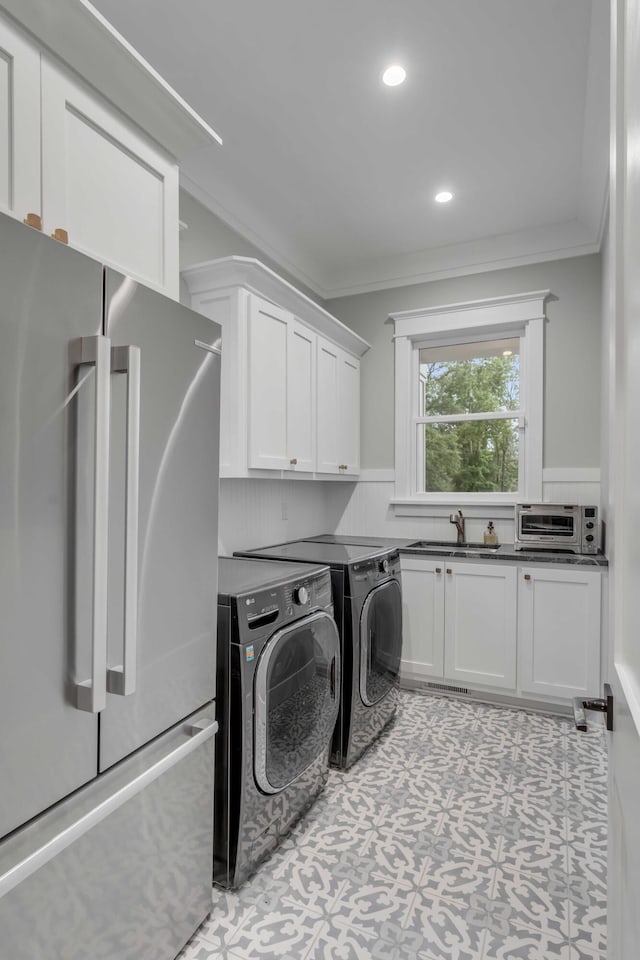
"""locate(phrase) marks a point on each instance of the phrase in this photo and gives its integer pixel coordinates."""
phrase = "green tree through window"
(478, 454)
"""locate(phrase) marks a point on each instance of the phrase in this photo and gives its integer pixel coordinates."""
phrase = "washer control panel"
(266, 610)
(367, 573)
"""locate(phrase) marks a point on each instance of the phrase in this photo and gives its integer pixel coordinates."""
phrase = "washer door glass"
(380, 641)
(296, 699)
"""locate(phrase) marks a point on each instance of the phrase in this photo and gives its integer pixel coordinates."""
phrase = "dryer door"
(297, 685)
(380, 641)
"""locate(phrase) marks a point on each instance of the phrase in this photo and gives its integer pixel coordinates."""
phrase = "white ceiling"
(334, 175)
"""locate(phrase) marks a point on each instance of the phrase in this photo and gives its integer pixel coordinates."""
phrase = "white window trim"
(521, 315)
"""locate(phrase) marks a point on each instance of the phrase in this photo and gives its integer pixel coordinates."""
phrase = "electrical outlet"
(285, 510)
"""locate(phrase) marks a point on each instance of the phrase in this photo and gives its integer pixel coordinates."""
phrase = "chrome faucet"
(458, 519)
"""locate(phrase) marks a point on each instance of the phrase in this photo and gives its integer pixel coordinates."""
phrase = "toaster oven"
(554, 526)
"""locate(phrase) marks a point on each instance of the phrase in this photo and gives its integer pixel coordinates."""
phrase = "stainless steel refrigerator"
(109, 422)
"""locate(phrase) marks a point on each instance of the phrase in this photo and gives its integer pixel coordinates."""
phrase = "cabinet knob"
(527, 576)
(33, 220)
(60, 235)
(449, 570)
(293, 461)
(438, 569)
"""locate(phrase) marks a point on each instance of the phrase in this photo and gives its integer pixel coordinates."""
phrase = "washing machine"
(278, 683)
(367, 599)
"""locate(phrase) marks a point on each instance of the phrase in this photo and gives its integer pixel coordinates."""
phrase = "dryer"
(278, 681)
(367, 598)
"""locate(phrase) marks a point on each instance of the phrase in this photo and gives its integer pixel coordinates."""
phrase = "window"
(469, 402)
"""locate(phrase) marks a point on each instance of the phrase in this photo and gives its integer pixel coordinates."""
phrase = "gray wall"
(572, 352)
(207, 237)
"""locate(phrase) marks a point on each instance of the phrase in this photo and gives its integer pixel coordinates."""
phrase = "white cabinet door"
(422, 617)
(19, 124)
(480, 623)
(114, 192)
(268, 336)
(338, 436)
(301, 398)
(349, 413)
(559, 631)
(328, 430)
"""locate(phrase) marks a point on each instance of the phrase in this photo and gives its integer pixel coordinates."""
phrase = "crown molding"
(501, 252)
(270, 248)
(254, 276)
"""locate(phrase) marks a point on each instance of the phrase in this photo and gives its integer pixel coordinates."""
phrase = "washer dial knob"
(383, 566)
(301, 596)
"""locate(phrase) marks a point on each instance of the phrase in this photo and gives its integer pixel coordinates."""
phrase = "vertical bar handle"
(121, 679)
(91, 694)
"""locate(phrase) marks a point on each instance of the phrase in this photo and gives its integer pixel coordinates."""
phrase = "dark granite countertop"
(505, 552)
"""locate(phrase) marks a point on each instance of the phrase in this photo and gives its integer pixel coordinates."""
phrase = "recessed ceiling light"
(394, 75)
(444, 196)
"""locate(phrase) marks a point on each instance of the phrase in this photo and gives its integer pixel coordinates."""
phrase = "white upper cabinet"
(114, 194)
(349, 394)
(301, 398)
(290, 395)
(268, 339)
(97, 172)
(19, 124)
(329, 427)
(338, 410)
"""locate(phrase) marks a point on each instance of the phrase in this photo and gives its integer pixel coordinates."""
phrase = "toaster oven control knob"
(301, 596)
(589, 537)
(589, 525)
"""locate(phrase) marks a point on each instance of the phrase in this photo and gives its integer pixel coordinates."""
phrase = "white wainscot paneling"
(363, 508)
(252, 512)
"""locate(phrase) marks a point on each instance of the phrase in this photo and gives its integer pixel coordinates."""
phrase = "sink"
(452, 545)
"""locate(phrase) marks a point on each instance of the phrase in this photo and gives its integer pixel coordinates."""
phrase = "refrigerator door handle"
(121, 679)
(91, 694)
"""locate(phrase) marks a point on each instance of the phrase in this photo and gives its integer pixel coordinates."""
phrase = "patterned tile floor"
(468, 832)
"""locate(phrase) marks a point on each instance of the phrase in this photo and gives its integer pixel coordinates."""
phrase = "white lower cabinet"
(422, 616)
(559, 631)
(459, 621)
(531, 631)
(480, 624)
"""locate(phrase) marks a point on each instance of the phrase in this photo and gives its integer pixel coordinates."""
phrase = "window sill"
(481, 507)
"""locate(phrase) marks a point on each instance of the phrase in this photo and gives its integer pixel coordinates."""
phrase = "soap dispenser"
(490, 535)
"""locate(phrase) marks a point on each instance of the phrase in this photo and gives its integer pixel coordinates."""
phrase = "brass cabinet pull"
(60, 235)
(527, 576)
(449, 570)
(438, 569)
(293, 461)
(33, 220)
